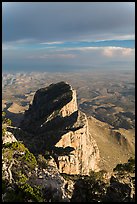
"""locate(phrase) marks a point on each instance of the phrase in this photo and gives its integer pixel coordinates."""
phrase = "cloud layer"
(66, 21)
(46, 35)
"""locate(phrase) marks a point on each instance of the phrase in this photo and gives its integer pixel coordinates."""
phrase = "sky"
(68, 36)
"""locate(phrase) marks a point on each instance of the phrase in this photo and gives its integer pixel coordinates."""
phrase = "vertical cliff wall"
(54, 115)
(85, 156)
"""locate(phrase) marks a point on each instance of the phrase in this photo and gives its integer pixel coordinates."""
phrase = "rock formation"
(54, 119)
(8, 138)
(57, 133)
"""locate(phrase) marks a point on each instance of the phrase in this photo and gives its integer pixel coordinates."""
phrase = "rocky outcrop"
(51, 183)
(54, 119)
(50, 104)
(122, 183)
(25, 179)
(8, 138)
(85, 155)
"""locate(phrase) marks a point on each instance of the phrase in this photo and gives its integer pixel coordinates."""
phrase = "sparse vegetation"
(22, 192)
(126, 167)
(42, 162)
(90, 188)
(5, 122)
(19, 152)
(24, 162)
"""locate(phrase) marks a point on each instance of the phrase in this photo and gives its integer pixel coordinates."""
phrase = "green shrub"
(126, 167)
(42, 162)
(4, 185)
(97, 175)
(29, 159)
(5, 123)
(89, 189)
(24, 160)
(30, 192)
(5, 120)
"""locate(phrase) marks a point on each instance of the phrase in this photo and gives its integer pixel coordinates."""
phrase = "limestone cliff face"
(85, 156)
(54, 119)
(71, 107)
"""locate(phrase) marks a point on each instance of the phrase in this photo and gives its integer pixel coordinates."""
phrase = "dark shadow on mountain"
(88, 189)
(16, 118)
(45, 140)
(60, 151)
(47, 101)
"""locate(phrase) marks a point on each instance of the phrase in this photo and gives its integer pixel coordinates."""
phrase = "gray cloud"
(27, 25)
(66, 21)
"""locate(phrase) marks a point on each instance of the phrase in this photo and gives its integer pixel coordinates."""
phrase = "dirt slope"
(115, 146)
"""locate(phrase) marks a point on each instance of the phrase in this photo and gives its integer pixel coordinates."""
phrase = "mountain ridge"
(53, 156)
(55, 117)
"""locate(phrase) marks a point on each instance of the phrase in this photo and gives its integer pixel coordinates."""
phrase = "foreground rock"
(122, 183)
(27, 179)
(54, 119)
(8, 138)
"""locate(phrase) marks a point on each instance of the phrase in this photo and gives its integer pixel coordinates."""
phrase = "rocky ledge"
(58, 126)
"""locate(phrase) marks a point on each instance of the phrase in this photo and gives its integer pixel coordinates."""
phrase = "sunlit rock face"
(85, 156)
(8, 138)
(54, 117)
